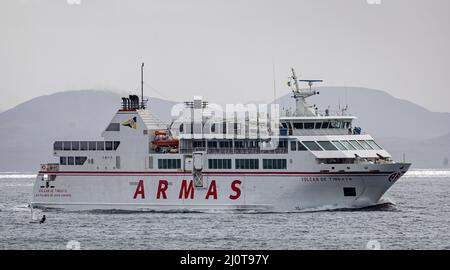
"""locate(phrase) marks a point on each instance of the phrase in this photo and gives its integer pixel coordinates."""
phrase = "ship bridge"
(318, 125)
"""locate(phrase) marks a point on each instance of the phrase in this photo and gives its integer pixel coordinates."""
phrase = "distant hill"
(402, 127)
(380, 113)
(28, 130)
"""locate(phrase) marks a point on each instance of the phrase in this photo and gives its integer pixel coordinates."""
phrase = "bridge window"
(327, 145)
(339, 145)
(57, 146)
(348, 145)
(116, 145)
(318, 125)
(80, 160)
(283, 144)
(357, 145)
(219, 163)
(246, 164)
(309, 125)
(67, 146)
(374, 145)
(335, 124)
(108, 146)
(298, 125)
(325, 125)
(169, 163)
(365, 145)
(313, 146)
(293, 146)
(274, 164)
(63, 160)
(83, 146)
(301, 147)
(100, 146)
(75, 146)
(92, 146)
(70, 161)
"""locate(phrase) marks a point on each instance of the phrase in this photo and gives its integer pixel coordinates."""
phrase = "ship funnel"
(125, 103)
(134, 102)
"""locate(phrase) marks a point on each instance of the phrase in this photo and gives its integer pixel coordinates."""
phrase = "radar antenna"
(311, 82)
(302, 108)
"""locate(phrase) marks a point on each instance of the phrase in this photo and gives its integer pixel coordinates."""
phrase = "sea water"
(415, 214)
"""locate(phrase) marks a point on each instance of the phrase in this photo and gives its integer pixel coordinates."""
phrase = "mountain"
(379, 113)
(405, 129)
(431, 153)
(28, 130)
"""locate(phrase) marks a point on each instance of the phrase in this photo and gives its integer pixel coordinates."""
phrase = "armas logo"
(130, 123)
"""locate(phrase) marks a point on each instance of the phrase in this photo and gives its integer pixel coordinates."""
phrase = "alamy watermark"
(373, 245)
(74, 2)
(199, 120)
(73, 245)
(374, 2)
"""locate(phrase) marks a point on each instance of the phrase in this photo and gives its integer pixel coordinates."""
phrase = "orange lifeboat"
(160, 132)
(167, 143)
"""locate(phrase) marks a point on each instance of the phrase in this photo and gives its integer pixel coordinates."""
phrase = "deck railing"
(281, 150)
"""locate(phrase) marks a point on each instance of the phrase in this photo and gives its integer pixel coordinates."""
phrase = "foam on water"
(426, 173)
(16, 176)
(21, 207)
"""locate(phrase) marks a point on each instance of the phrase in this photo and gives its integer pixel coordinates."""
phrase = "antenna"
(294, 77)
(142, 86)
(311, 82)
(302, 107)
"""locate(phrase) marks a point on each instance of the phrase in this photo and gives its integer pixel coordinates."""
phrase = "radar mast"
(302, 107)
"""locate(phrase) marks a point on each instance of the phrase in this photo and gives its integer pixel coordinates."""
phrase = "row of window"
(319, 125)
(86, 146)
(335, 145)
(296, 125)
(238, 144)
(248, 163)
(72, 160)
(174, 163)
(274, 164)
(219, 163)
(252, 164)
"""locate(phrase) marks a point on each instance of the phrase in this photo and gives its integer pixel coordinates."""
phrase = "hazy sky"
(223, 50)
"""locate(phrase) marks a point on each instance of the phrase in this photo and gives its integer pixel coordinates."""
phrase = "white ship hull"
(138, 191)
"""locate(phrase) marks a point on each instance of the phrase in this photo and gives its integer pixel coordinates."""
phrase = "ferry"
(200, 162)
